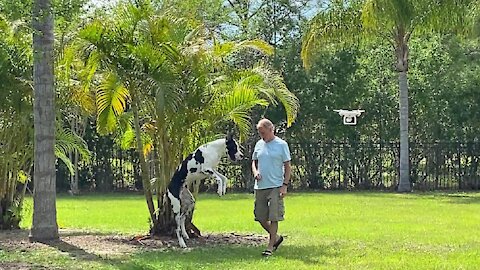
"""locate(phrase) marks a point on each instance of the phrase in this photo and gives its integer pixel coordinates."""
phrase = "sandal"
(267, 253)
(277, 244)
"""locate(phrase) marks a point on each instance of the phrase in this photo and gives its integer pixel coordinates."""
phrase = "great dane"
(197, 166)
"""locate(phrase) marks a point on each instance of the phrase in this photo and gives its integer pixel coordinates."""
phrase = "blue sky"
(100, 3)
(311, 10)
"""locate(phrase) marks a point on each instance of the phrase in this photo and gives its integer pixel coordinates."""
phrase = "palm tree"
(44, 226)
(15, 164)
(172, 81)
(16, 121)
(76, 102)
(348, 22)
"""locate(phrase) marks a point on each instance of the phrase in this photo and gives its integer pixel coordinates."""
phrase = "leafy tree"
(15, 120)
(347, 22)
(178, 88)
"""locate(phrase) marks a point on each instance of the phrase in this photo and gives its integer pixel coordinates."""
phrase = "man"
(271, 168)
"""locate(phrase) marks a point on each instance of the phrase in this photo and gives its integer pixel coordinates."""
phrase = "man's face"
(264, 132)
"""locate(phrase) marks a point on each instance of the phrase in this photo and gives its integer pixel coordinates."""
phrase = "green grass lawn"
(360, 230)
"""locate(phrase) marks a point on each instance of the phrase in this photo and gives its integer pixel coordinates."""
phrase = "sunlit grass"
(361, 230)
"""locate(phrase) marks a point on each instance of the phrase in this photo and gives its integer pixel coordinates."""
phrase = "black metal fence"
(445, 165)
(344, 165)
(109, 169)
(324, 165)
(375, 165)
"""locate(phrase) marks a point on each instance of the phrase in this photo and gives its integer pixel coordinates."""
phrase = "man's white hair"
(265, 123)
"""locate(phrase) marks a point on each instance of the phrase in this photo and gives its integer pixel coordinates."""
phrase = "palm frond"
(111, 100)
(127, 139)
(64, 158)
(447, 16)
(274, 88)
(256, 44)
(75, 78)
(221, 50)
(384, 15)
(338, 24)
(67, 142)
(236, 106)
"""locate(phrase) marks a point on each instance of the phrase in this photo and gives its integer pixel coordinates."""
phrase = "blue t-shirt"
(271, 156)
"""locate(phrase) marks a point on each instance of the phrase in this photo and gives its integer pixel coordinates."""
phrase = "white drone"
(350, 117)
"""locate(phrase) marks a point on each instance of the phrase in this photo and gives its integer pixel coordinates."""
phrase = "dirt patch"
(88, 245)
(205, 240)
(20, 266)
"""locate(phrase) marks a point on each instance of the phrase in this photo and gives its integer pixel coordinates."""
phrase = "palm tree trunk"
(73, 156)
(143, 164)
(165, 220)
(44, 225)
(75, 189)
(404, 185)
(402, 68)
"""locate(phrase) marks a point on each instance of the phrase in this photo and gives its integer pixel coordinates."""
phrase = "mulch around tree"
(93, 245)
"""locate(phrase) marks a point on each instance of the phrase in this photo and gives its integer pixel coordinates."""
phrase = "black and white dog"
(197, 166)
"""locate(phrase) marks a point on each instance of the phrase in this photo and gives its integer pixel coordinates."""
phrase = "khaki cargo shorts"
(268, 205)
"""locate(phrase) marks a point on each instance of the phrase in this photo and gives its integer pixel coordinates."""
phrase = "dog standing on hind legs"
(197, 166)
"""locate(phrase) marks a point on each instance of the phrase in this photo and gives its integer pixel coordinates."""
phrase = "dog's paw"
(182, 244)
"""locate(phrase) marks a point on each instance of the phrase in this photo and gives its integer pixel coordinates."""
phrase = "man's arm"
(288, 170)
(255, 171)
(286, 178)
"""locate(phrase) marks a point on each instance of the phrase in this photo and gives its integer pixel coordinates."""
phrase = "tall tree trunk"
(404, 185)
(402, 68)
(44, 225)
(74, 187)
(165, 221)
(143, 163)
(73, 156)
(249, 144)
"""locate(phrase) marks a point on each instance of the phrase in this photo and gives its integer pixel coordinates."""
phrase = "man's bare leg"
(265, 225)
(272, 229)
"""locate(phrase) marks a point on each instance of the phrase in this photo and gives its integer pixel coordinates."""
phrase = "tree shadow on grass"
(463, 198)
(452, 197)
(80, 245)
(310, 255)
(80, 232)
(72, 250)
(124, 254)
(227, 197)
(227, 257)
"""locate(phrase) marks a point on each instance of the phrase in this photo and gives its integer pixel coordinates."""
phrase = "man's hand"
(283, 191)
(256, 173)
